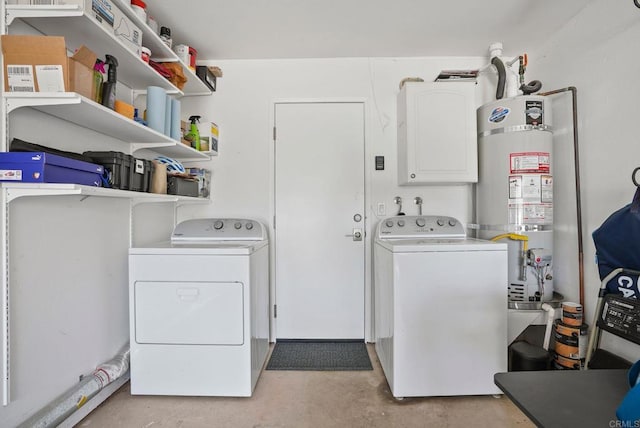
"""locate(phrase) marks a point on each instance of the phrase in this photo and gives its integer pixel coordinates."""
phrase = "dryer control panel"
(218, 229)
(423, 226)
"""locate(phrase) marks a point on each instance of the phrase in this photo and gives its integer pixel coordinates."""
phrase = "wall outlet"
(382, 209)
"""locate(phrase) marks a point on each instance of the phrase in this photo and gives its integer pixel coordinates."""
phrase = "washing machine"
(440, 307)
(199, 310)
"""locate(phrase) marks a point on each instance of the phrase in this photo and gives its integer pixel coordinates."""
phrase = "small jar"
(151, 22)
(140, 8)
(145, 54)
(165, 35)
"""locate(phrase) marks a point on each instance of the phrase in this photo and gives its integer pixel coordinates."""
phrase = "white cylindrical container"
(515, 190)
(183, 53)
(176, 133)
(156, 108)
(167, 116)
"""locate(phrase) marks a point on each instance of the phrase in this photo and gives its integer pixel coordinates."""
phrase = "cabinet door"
(437, 141)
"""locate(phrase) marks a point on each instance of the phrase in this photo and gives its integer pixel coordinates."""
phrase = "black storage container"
(182, 186)
(137, 174)
(117, 165)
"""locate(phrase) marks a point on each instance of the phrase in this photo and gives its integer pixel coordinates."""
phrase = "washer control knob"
(440, 222)
(401, 223)
(237, 225)
(218, 224)
(452, 222)
(420, 222)
(249, 226)
(388, 223)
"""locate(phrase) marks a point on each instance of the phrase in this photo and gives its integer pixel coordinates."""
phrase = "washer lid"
(440, 245)
(201, 247)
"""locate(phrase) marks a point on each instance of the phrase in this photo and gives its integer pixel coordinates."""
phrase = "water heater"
(515, 190)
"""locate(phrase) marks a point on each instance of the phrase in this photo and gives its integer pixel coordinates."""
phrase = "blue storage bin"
(41, 167)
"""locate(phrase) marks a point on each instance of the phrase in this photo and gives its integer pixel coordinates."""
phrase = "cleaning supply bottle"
(98, 78)
(109, 87)
(194, 133)
(165, 36)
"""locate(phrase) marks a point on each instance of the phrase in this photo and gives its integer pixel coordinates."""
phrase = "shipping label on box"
(20, 78)
(50, 78)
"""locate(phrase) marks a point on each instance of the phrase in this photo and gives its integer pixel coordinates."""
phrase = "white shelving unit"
(79, 28)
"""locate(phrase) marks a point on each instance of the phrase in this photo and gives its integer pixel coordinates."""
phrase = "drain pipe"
(62, 407)
(576, 159)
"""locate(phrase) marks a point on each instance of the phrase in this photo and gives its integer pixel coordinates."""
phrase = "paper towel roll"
(167, 117)
(156, 108)
(175, 120)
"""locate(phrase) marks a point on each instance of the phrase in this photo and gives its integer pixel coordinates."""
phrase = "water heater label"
(499, 114)
(529, 162)
(533, 112)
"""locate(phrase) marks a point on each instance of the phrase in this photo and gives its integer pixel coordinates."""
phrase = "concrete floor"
(308, 399)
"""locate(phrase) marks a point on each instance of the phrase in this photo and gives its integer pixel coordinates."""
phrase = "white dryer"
(440, 307)
(199, 310)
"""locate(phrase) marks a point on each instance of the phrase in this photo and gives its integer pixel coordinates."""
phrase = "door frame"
(368, 214)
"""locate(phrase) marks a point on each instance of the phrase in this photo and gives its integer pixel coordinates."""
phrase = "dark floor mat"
(319, 355)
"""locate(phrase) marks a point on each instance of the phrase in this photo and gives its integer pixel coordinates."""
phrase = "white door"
(319, 207)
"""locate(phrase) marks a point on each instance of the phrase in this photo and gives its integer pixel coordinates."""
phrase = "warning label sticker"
(520, 213)
(529, 162)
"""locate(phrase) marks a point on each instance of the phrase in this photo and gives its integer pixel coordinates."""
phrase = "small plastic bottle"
(165, 35)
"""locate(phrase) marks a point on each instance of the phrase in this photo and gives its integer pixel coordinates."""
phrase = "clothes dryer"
(440, 307)
(199, 310)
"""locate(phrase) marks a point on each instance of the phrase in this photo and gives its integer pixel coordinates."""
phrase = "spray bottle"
(109, 87)
(194, 133)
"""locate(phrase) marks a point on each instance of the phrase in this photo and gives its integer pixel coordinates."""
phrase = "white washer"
(199, 310)
(440, 307)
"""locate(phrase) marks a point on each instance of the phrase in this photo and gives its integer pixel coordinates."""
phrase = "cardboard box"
(34, 63)
(81, 72)
(209, 137)
(114, 20)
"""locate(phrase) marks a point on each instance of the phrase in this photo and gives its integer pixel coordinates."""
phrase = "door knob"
(356, 235)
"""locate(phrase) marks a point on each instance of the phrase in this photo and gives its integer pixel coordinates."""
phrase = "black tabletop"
(566, 398)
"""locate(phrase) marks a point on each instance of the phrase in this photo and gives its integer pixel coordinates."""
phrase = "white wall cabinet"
(437, 142)
(67, 226)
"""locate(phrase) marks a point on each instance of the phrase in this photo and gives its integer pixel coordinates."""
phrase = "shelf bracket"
(16, 11)
(141, 146)
(13, 194)
(42, 99)
(164, 200)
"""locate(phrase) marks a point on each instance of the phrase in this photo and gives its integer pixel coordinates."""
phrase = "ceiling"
(256, 29)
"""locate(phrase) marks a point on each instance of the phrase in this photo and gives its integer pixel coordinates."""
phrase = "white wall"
(243, 109)
(595, 52)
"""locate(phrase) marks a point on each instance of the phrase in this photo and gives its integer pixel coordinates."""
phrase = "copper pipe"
(576, 159)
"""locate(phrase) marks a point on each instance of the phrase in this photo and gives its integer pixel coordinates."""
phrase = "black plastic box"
(206, 76)
(182, 186)
(149, 167)
(117, 165)
(137, 174)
